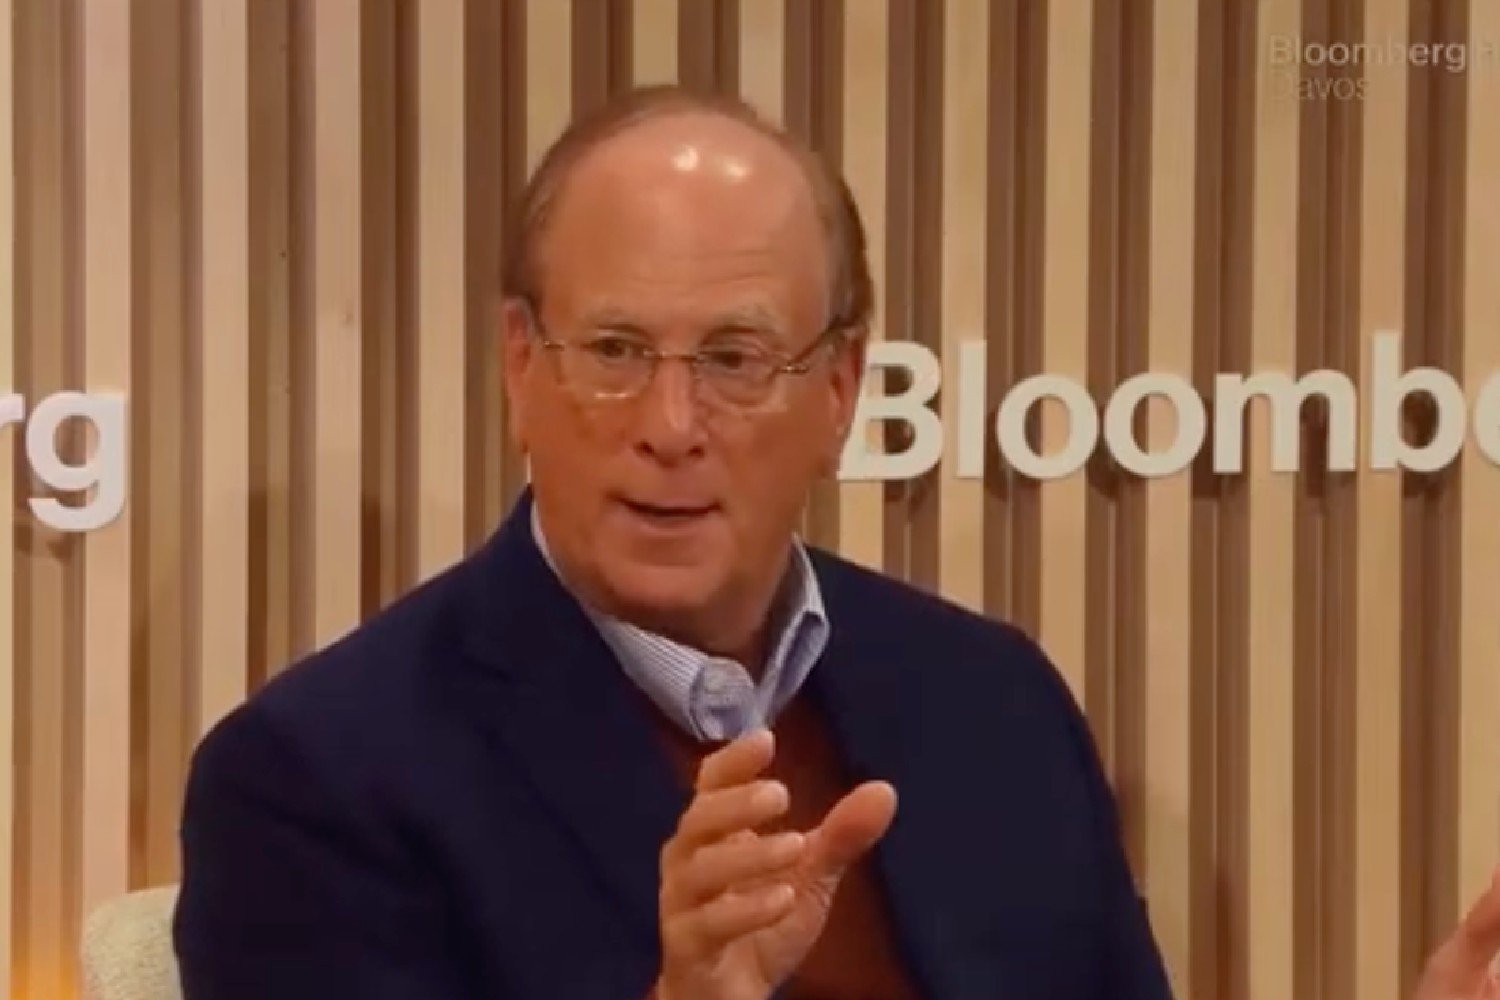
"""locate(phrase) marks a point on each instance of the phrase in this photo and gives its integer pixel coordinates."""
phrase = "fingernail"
(770, 795)
(788, 844)
(778, 897)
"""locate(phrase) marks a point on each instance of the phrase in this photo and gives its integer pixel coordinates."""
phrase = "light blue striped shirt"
(713, 697)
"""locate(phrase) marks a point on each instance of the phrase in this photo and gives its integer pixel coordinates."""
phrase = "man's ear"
(517, 354)
(846, 383)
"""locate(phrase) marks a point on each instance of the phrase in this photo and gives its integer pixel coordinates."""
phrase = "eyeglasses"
(612, 365)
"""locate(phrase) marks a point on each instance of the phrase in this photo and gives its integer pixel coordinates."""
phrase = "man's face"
(674, 508)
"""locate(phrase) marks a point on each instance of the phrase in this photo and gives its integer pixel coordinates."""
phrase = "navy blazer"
(464, 799)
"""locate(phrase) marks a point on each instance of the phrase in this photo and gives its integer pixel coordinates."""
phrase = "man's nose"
(671, 426)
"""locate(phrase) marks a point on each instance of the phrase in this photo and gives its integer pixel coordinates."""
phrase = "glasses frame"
(796, 364)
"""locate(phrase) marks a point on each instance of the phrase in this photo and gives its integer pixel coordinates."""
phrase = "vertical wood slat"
(1003, 215)
(224, 348)
(107, 313)
(813, 99)
(8, 451)
(548, 76)
(440, 286)
(866, 64)
(1478, 834)
(495, 81)
(699, 32)
(1064, 327)
(1169, 678)
(387, 192)
(42, 877)
(1269, 570)
(597, 45)
(654, 55)
(965, 194)
(337, 309)
(762, 57)
(161, 529)
(272, 280)
(1377, 903)
(913, 296)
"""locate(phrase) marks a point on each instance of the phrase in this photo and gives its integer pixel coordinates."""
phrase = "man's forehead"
(695, 147)
(753, 312)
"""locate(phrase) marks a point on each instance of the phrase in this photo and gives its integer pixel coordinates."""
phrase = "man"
(644, 743)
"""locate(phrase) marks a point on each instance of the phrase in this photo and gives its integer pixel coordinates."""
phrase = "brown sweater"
(856, 957)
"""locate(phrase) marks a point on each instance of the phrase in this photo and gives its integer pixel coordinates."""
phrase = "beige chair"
(126, 949)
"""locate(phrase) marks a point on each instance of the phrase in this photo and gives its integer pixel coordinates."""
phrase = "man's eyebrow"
(612, 318)
(751, 317)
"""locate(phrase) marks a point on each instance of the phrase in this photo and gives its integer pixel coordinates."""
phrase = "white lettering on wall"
(859, 462)
(1388, 447)
(1487, 419)
(1083, 427)
(1232, 395)
(1119, 424)
(103, 472)
(1283, 400)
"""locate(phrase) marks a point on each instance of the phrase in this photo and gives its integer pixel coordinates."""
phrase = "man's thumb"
(1479, 935)
(852, 827)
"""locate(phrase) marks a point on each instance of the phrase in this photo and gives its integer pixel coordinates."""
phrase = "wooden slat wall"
(107, 604)
(276, 226)
(1270, 498)
(1377, 899)
(1478, 760)
(864, 118)
(46, 885)
(1167, 865)
(221, 404)
(8, 452)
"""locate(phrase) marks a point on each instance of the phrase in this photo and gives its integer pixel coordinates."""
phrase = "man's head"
(669, 491)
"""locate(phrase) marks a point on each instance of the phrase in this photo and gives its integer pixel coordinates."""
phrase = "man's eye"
(615, 350)
(734, 360)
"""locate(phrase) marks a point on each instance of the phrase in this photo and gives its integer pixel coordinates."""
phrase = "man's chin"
(663, 592)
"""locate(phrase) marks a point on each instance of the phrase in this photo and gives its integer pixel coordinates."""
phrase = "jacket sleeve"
(291, 890)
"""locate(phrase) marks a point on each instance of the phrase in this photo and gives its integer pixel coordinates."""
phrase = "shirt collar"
(711, 697)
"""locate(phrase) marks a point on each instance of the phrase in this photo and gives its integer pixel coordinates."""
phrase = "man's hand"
(1461, 969)
(740, 910)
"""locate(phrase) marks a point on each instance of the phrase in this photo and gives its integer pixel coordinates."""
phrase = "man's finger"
(737, 763)
(727, 812)
(853, 826)
(1478, 937)
(1461, 965)
(701, 931)
(740, 865)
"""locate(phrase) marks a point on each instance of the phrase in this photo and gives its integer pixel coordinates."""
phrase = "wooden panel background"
(276, 225)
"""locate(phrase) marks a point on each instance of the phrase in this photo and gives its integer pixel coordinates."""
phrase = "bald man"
(645, 742)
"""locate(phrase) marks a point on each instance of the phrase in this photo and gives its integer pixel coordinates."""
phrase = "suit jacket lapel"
(569, 716)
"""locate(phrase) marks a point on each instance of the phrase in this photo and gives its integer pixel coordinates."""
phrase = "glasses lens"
(736, 375)
(608, 365)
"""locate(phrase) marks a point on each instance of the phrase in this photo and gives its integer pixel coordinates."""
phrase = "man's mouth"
(668, 512)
